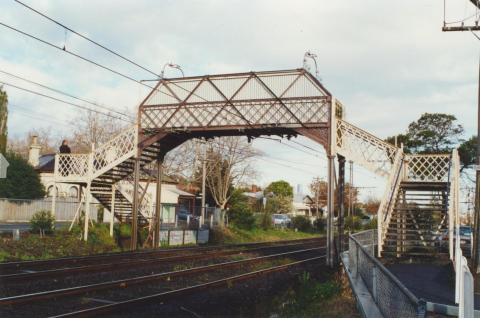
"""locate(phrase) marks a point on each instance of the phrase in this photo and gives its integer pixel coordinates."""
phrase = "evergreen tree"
(22, 181)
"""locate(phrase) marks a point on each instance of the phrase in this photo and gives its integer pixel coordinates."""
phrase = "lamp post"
(312, 56)
(171, 65)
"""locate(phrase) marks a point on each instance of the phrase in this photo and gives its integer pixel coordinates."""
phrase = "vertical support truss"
(158, 203)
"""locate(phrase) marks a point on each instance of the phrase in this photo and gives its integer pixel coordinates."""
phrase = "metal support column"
(341, 201)
(134, 235)
(112, 210)
(158, 204)
(330, 208)
(87, 211)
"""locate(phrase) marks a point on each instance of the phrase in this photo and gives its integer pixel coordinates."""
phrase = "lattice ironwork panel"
(290, 98)
(126, 187)
(364, 148)
(107, 155)
(428, 167)
(71, 167)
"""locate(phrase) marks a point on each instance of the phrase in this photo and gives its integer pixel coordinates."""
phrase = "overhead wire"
(64, 102)
(87, 38)
(82, 58)
(66, 94)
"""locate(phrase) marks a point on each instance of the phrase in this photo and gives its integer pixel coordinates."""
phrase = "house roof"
(46, 163)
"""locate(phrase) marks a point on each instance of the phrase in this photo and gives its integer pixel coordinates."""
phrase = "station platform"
(435, 283)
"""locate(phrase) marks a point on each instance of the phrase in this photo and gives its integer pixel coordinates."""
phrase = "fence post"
(422, 309)
(176, 221)
(211, 220)
(374, 283)
(356, 259)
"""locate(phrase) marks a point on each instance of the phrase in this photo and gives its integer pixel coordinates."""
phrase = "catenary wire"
(66, 94)
(86, 38)
(65, 102)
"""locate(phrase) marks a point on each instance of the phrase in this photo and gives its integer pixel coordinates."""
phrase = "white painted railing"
(364, 148)
(71, 167)
(389, 198)
(427, 167)
(115, 151)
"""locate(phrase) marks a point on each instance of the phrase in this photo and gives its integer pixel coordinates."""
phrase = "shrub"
(242, 217)
(42, 222)
(301, 223)
(100, 234)
(100, 213)
(266, 221)
(372, 225)
(319, 224)
(22, 181)
(352, 223)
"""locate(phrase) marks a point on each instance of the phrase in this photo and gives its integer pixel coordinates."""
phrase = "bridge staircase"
(107, 172)
(419, 221)
(419, 207)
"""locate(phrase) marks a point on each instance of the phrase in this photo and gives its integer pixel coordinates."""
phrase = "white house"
(172, 196)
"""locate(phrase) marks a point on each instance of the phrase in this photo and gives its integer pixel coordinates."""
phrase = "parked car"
(183, 215)
(281, 220)
(465, 234)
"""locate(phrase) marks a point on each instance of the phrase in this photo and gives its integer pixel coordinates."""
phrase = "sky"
(387, 62)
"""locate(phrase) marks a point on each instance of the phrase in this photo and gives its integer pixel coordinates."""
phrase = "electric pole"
(476, 218)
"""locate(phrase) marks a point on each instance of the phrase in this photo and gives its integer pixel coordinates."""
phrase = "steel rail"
(96, 311)
(30, 265)
(124, 283)
(128, 263)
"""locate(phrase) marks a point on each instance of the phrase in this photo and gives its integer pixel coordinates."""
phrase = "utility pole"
(350, 198)
(476, 219)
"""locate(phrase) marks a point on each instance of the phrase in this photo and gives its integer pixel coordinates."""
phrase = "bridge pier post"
(341, 202)
(136, 180)
(158, 204)
(330, 209)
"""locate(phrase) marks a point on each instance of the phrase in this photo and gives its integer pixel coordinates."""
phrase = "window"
(50, 191)
(73, 192)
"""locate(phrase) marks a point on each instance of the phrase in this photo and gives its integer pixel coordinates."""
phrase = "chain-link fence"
(392, 298)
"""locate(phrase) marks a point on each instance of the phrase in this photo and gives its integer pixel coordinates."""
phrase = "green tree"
(402, 139)
(3, 120)
(468, 151)
(434, 133)
(279, 204)
(280, 188)
(22, 181)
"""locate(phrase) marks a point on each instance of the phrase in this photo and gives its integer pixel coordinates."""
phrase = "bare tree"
(229, 163)
(91, 128)
(46, 139)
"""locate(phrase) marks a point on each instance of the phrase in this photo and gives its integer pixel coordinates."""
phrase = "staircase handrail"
(453, 201)
(366, 149)
(388, 201)
(116, 150)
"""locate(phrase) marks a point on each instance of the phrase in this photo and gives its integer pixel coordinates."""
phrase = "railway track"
(111, 296)
(66, 262)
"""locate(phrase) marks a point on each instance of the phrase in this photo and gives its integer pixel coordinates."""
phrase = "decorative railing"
(387, 204)
(72, 167)
(428, 167)
(114, 151)
(364, 148)
(126, 188)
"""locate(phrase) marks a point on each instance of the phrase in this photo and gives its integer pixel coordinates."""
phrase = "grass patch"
(61, 243)
(312, 298)
(234, 235)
